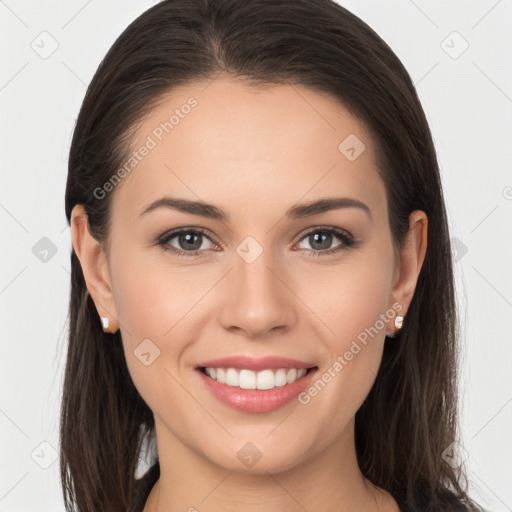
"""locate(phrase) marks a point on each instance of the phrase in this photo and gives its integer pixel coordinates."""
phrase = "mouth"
(265, 379)
(256, 385)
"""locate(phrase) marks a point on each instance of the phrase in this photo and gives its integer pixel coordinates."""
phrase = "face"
(256, 275)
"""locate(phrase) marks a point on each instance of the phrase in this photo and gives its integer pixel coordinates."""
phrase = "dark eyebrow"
(325, 205)
(296, 212)
(187, 206)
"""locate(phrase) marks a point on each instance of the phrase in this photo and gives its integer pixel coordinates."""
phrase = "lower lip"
(257, 400)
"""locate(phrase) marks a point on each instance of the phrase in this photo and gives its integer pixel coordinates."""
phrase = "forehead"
(224, 140)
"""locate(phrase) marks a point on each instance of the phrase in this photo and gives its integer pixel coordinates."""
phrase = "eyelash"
(347, 239)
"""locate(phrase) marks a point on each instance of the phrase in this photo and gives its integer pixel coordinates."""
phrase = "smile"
(249, 379)
(252, 384)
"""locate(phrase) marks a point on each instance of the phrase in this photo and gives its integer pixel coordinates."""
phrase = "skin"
(254, 152)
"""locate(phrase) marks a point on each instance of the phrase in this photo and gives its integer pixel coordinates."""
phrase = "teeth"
(247, 379)
(291, 376)
(231, 377)
(280, 377)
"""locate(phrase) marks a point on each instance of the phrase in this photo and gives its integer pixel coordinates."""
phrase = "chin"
(250, 460)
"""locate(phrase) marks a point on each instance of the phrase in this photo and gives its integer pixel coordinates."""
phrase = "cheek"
(349, 299)
(152, 297)
(156, 307)
(352, 334)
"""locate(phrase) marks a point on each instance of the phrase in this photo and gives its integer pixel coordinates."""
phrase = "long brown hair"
(410, 415)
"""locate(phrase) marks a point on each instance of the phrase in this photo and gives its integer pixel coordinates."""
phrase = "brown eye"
(191, 241)
(320, 240)
(186, 242)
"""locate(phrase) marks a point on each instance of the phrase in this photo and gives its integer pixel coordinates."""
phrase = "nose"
(259, 301)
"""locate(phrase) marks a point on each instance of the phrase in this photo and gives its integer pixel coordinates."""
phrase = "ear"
(94, 265)
(409, 263)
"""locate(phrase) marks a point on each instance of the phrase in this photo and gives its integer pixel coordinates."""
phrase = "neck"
(328, 480)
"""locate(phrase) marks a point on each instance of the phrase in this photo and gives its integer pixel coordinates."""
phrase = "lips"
(240, 375)
(256, 365)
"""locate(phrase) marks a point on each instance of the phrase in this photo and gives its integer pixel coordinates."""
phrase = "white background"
(468, 101)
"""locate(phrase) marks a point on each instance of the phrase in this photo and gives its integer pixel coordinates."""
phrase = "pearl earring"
(399, 320)
(105, 320)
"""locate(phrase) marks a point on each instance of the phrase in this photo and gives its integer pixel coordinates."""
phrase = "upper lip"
(255, 364)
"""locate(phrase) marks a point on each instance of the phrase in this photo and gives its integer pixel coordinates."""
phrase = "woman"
(251, 189)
